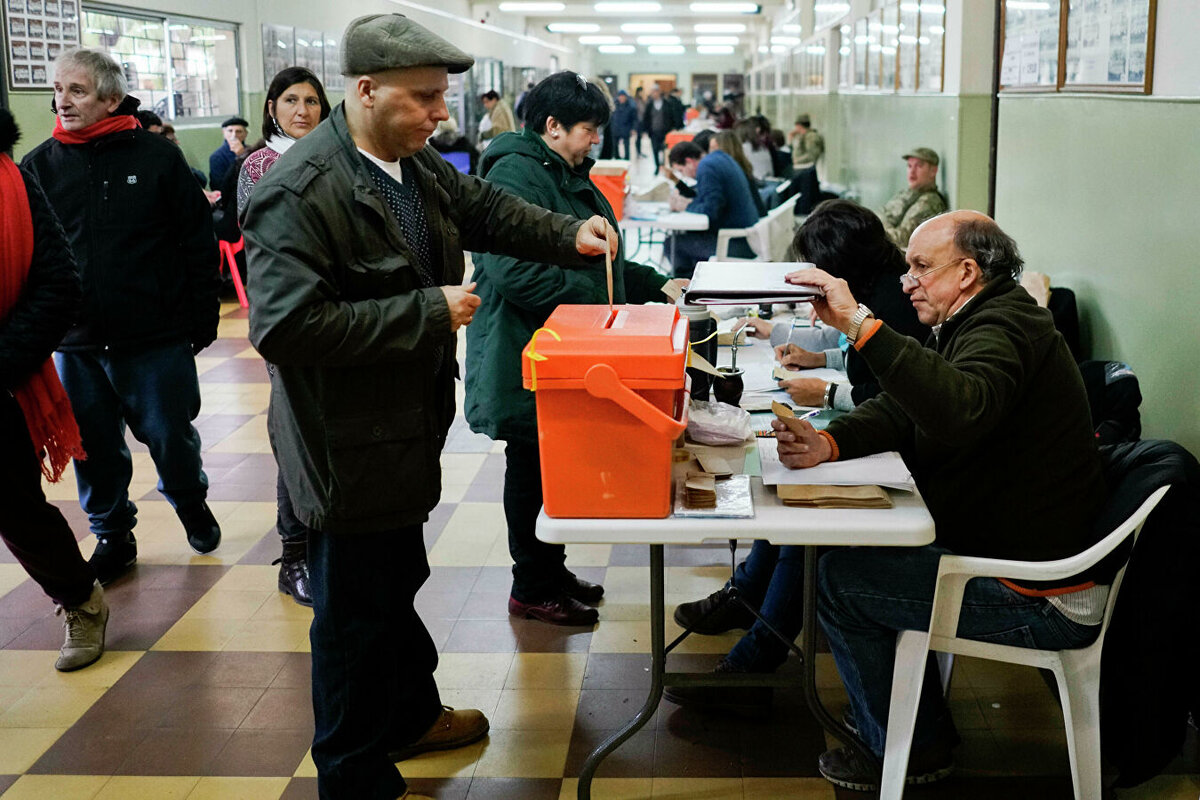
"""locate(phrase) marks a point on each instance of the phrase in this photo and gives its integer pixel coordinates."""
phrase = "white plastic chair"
(769, 238)
(1076, 671)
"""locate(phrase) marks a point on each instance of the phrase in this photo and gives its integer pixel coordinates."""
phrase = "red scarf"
(120, 122)
(41, 397)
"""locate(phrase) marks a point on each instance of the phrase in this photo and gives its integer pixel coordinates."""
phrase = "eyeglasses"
(910, 281)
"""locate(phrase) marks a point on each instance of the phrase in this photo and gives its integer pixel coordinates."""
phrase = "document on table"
(759, 378)
(881, 469)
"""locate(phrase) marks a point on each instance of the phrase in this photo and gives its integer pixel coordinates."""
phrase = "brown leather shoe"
(561, 610)
(581, 590)
(452, 729)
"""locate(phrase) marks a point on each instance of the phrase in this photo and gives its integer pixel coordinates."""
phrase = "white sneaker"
(84, 632)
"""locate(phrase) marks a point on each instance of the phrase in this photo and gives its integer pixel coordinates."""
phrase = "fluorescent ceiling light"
(778, 48)
(719, 27)
(666, 49)
(647, 27)
(791, 27)
(762, 48)
(725, 8)
(599, 39)
(937, 30)
(531, 5)
(716, 40)
(572, 27)
(790, 41)
(658, 40)
(831, 8)
(815, 49)
(627, 8)
(715, 49)
(1016, 5)
(616, 48)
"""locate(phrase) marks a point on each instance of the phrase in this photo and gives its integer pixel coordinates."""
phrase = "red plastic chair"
(229, 251)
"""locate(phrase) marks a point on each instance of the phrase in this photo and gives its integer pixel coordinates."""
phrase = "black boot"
(293, 572)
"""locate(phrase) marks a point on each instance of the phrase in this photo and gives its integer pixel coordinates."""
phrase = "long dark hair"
(849, 242)
(290, 76)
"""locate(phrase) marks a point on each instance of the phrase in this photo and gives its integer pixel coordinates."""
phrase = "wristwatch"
(856, 322)
(830, 393)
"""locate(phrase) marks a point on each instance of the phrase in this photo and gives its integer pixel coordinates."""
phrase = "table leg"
(833, 726)
(658, 660)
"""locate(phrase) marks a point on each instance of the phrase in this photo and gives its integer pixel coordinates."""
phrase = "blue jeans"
(867, 594)
(156, 392)
(372, 659)
(772, 579)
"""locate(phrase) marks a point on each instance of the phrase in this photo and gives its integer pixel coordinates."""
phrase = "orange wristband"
(867, 330)
(832, 444)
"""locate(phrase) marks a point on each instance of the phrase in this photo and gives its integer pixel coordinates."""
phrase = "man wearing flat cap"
(807, 144)
(355, 243)
(909, 207)
(225, 157)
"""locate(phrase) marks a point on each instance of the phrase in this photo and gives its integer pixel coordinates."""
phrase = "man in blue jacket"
(722, 194)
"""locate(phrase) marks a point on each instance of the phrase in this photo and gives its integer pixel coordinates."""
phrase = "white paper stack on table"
(881, 469)
(747, 283)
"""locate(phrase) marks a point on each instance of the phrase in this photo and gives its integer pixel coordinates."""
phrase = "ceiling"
(653, 27)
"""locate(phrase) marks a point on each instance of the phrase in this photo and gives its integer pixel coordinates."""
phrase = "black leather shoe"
(746, 701)
(113, 557)
(581, 590)
(561, 610)
(293, 573)
(203, 532)
(846, 768)
(721, 616)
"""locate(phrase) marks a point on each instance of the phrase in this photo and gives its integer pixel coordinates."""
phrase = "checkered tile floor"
(204, 691)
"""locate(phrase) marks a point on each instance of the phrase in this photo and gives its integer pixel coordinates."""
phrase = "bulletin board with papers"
(35, 33)
(1078, 45)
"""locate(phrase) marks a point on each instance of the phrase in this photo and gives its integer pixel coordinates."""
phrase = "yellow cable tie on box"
(534, 356)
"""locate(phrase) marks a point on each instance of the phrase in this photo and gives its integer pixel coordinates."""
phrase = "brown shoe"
(561, 610)
(452, 729)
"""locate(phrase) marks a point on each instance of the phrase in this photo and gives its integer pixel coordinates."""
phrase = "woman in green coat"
(546, 164)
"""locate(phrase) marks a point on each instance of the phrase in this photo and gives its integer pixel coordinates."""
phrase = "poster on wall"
(1109, 43)
(1030, 58)
(36, 33)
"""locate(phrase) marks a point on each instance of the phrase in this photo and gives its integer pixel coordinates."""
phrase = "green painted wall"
(32, 113)
(865, 135)
(1100, 193)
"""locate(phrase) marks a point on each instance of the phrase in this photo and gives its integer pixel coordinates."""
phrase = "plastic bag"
(717, 423)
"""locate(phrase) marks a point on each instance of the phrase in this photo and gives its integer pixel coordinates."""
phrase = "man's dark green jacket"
(363, 391)
(519, 293)
(993, 421)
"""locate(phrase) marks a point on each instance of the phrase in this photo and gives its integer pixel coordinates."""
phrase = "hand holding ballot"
(799, 450)
(596, 237)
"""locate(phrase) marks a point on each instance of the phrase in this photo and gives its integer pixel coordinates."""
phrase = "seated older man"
(993, 402)
(920, 201)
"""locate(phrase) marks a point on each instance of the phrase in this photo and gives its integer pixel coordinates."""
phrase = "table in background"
(646, 218)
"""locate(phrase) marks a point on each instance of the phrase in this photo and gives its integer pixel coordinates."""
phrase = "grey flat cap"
(378, 42)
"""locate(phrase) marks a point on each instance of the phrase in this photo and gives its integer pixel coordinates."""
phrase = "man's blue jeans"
(771, 578)
(867, 594)
(156, 392)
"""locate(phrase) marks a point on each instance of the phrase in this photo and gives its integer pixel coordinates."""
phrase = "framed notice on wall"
(35, 34)
(1110, 45)
(1078, 45)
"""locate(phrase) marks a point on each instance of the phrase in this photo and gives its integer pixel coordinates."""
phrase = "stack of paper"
(746, 283)
(881, 469)
(806, 496)
(700, 490)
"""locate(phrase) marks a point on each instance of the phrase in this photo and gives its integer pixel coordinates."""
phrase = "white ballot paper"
(747, 283)
(881, 469)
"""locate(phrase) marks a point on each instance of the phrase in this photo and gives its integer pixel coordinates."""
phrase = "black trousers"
(539, 569)
(34, 530)
(372, 659)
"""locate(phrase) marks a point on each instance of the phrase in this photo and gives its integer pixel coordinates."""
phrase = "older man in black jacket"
(141, 232)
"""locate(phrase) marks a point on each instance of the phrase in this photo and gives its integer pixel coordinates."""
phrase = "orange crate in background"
(611, 401)
(609, 177)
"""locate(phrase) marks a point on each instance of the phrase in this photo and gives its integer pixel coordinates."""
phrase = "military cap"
(378, 42)
(804, 120)
(924, 153)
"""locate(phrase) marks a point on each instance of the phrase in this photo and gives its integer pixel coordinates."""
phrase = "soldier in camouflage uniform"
(920, 201)
(807, 145)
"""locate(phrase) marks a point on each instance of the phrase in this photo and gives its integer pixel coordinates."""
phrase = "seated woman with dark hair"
(849, 242)
(547, 163)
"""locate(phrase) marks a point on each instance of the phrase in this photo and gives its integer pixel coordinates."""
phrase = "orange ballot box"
(675, 137)
(611, 399)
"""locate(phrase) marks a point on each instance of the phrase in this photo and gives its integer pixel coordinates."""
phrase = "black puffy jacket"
(49, 301)
(141, 232)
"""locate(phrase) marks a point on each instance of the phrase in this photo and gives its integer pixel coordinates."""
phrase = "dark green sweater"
(992, 419)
